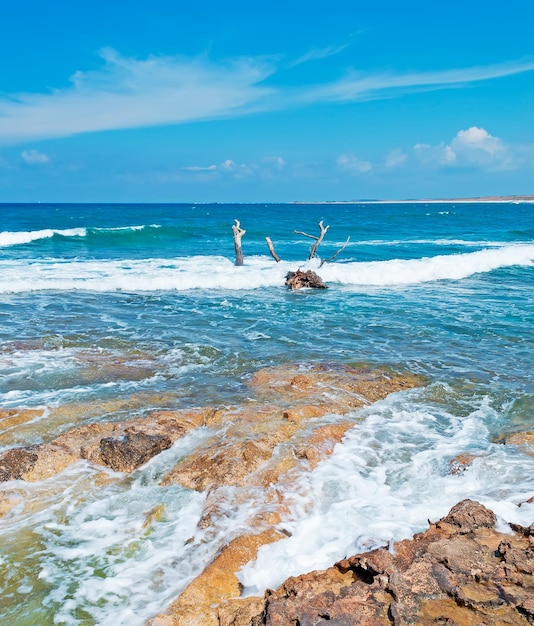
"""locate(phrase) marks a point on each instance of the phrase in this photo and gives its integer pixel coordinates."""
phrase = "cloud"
(226, 166)
(359, 86)
(265, 167)
(474, 147)
(353, 165)
(33, 157)
(276, 162)
(477, 146)
(316, 54)
(162, 90)
(199, 168)
(395, 158)
(131, 93)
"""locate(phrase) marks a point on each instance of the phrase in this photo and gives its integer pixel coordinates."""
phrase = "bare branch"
(271, 249)
(318, 239)
(238, 233)
(299, 232)
(336, 254)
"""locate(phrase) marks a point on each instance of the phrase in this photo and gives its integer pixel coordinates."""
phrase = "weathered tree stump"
(301, 280)
(238, 234)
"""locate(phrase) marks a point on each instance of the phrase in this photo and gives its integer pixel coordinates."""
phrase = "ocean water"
(110, 312)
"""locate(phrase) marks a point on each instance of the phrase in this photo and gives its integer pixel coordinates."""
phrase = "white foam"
(216, 272)
(385, 481)
(100, 555)
(123, 228)
(441, 267)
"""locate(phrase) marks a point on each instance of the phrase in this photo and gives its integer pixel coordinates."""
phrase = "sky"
(279, 101)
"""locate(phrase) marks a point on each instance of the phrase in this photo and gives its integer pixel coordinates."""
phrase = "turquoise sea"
(124, 309)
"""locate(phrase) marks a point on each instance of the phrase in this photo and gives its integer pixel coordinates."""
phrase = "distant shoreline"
(482, 199)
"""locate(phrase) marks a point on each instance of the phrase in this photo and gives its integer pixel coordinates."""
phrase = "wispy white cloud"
(316, 54)
(359, 86)
(225, 166)
(274, 162)
(199, 168)
(34, 157)
(352, 164)
(395, 158)
(266, 167)
(131, 93)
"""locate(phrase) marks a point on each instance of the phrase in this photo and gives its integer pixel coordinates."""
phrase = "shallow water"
(110, 312)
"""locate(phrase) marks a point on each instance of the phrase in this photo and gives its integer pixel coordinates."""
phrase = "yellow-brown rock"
(524, 439)
(339, 387)
(290, 425)
(461, 462)
(10, 418)
(321, 442)
(38, 462)
(293, 396)
(197, 605)
(232, 458)
(48, 422)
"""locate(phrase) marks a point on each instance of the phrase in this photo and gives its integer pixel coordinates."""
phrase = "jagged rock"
(36, 462)
(127, 445)
(129, 451)
(243, 451)
(14, 464)
(20, 424)
(303, 280)
(467, 516)
(459, 572)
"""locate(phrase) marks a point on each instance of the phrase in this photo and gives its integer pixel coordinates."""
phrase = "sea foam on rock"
(459, 572)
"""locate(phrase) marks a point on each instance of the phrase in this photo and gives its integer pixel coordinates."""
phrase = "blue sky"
(257, 102)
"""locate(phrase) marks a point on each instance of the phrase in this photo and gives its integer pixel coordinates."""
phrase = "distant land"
(504, 199)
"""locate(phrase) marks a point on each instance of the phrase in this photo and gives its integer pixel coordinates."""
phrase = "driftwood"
(272, 250)
(300, 280)
(238, 233)
(323, 261)
(318, 239)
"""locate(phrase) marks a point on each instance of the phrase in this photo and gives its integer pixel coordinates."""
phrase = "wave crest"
(216, 272)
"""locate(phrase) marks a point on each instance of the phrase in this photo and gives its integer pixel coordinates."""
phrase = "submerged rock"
(461, 462)
(459, 572)
(524, 439)
(258, 443)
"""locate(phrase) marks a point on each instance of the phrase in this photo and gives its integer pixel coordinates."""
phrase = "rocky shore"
(460, 571)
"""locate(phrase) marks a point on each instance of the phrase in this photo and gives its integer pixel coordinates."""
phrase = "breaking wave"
(217, 272)
(17, 238)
